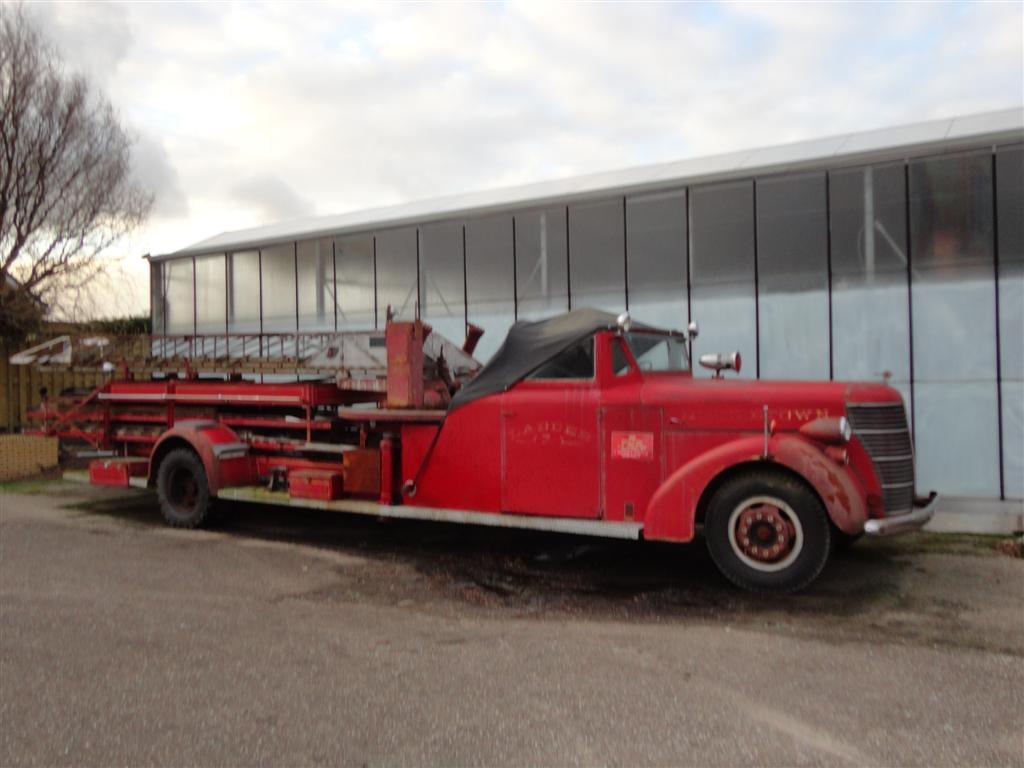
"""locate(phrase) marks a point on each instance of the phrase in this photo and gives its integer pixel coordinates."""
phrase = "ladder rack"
(342, 355)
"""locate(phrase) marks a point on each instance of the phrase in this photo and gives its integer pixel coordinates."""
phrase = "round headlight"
(845, 430)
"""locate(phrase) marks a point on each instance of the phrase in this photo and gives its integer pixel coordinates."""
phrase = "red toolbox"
(322, 484)
(117, 472)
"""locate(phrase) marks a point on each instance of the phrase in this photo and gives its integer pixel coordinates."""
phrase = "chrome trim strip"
(238, 449)
(190, 398)
(612, 530)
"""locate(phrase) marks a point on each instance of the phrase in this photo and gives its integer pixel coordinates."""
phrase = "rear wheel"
(182, 489)
(768, 532)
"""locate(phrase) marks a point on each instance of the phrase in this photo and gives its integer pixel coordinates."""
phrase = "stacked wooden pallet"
(26, 455)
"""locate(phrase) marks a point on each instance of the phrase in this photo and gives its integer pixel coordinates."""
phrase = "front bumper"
(923, 510)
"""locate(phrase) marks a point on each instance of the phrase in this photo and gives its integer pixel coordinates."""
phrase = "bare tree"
(66, 190)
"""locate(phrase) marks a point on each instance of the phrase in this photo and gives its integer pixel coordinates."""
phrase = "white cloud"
(336, 107)
(271, 198)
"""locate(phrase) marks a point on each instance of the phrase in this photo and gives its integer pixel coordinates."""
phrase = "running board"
(611, 530)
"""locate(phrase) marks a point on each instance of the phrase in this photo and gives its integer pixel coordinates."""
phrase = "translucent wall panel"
(490, 292)
(156, 296)
(541, 264)
(792, 273)
(953, 304)
(442, 279)
(278, 264)
(597, 256)
(396, 273)
(180, 304)
(722, 272)
(316, 285)
(355, 282)
(1010, 210)
(211, 294)
(870, 302)
(244, 292)
(656, 258)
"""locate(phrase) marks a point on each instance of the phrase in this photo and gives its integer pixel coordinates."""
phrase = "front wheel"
(182, 489)
(767, 532)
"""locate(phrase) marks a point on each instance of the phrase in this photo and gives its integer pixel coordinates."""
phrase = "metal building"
(893, 254)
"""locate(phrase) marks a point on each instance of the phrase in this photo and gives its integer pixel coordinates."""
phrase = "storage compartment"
(322, 484)
(117, 472)
(362, 471)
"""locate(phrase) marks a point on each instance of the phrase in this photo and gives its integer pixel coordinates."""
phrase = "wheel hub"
(763, 533)
(183, 490)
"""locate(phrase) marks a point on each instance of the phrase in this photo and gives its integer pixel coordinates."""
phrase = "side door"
(550, 438)
(632, 452)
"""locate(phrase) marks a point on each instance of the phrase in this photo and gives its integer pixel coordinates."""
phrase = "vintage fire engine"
(584, 423)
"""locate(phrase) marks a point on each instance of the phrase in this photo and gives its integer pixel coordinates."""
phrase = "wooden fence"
(19, 387)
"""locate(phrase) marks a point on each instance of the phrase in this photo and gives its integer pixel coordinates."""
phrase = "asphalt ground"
(289, 637)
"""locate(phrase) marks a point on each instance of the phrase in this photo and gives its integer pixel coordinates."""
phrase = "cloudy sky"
(253, 113)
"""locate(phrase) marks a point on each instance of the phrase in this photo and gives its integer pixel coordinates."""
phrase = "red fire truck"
(584, 423)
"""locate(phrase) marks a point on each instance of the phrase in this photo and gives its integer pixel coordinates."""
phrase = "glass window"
(951, 211)
(597, 256)
(211, 294)
(953, 300)
(180, 297)
(397, 285)
(355, 282)
(1010, 210)
(541, 263)
(656, 257)
(620, 362)
(442, 280)
(490, 270)
(722, 271)
(244, 292)
(315, 274)
(870, 309)
(278, 265)
(792, 271)
(657, 353)
(576, 362)
(869, 232)
(156, 296)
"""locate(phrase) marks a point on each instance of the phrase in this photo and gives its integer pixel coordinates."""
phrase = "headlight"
(828, 429)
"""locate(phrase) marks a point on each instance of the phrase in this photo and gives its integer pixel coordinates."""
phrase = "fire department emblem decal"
(637, 446)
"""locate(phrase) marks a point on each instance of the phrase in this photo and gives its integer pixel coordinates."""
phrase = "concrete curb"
(956, 515)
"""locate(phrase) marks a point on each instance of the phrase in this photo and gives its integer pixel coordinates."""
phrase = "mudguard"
(225, 457)
(672, 511)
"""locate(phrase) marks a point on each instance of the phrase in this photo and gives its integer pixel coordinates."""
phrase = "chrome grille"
(882, 428)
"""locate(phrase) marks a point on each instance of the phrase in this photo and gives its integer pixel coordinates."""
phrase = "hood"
(739, 404)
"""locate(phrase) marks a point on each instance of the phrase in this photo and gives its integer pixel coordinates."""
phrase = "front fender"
(225, 457)
(671, 514)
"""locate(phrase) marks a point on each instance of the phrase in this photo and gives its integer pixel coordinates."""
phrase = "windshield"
(655, 352)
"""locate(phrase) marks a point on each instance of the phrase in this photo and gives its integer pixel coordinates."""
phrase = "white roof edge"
(876, 145)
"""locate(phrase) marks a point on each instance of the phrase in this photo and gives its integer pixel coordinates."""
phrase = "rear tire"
(768, 532)
(182, 489)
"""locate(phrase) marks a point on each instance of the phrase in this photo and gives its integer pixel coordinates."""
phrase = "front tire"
(182, 489)
(768, 532)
